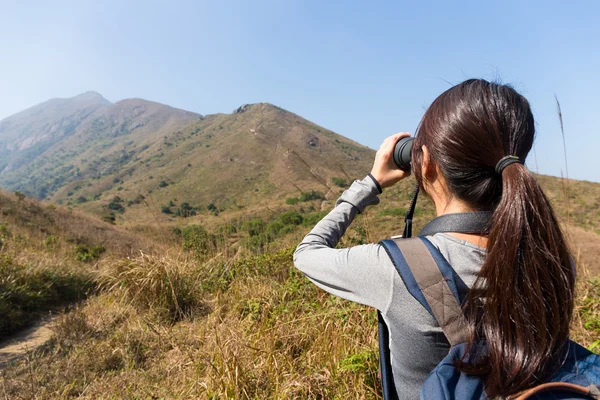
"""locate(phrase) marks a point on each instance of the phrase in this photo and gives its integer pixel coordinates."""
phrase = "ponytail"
(522, 300)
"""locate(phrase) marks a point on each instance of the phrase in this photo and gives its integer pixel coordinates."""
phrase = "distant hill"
(26, 135)
(61, 141)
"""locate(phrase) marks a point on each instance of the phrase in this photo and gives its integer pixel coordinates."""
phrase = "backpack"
(431, 280)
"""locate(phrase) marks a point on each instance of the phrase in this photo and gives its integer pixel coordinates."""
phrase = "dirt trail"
(25, 341)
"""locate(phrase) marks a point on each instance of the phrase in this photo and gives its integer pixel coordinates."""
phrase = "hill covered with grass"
(139, 153)
(66, 140)
(49, 255)
(28, 134)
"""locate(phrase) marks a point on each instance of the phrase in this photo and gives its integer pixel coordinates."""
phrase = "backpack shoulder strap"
(430, 280)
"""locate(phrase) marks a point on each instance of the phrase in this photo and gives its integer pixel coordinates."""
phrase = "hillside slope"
(135, 150)
(36, 223)
(26, 135)
(261, 155)
(48, 257)
(99, 144)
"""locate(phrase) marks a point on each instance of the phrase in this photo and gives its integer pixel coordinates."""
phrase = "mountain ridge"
(231, 159)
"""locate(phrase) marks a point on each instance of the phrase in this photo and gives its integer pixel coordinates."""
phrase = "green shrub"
(85, 254)
(226, 230)
(163, 184)
(198, 240)
(340, 182)
(312, 195)
(165, 210)
(213, 208)
(292, 200)
(51, 242)
(291, 218)
(312, 219)
(137, 200)
(115, 205)
(287, 229)
(274, 265)
(27, 292)
(20, 195)
(185, 210)
(110, 218)
(5, 231)
(258, 243)
(273, 228)
(254, 227)
(364, 363)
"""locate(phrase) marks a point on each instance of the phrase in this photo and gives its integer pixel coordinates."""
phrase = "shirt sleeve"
(363, 274)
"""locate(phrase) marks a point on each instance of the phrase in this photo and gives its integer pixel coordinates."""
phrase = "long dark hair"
(522, 300)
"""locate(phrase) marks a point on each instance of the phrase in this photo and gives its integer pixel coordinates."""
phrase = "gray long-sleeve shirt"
(365, 274)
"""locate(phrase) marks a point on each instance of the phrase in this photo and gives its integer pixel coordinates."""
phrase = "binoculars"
(402, 152)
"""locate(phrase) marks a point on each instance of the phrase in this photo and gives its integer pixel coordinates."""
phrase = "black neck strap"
(409, 214)
(469, 222)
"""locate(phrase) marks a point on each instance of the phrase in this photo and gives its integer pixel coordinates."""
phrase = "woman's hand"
(385, 169)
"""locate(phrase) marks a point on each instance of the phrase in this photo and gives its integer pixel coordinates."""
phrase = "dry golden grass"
(38, 220)
(271, 334)
(264, 331)
(224, 324)
(163, 285)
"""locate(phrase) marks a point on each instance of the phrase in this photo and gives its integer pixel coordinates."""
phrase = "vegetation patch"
(198, 240)
(116, 204)
(27, 292)
(160, 285)
(587, 314)
(394, 212)
(88, 254)
(305, 196)
(343, 183)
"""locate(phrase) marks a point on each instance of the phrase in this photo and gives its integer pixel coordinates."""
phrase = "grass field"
(213, 311)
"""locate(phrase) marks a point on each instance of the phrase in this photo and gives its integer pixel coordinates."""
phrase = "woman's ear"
(427, 167)
(429, 170)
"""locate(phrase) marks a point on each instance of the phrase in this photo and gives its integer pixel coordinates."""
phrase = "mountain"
(258, 154)
(136, 149)
(48, 146)
(26, 135)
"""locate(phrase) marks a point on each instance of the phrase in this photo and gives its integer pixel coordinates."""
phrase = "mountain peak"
(91, 95)
(246, 107)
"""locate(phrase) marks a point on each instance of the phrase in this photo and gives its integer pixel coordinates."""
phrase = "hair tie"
(505, 162)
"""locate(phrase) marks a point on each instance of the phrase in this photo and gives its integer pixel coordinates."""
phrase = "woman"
(521, 268)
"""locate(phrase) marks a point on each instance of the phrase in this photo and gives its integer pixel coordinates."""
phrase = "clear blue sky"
(363, 69)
